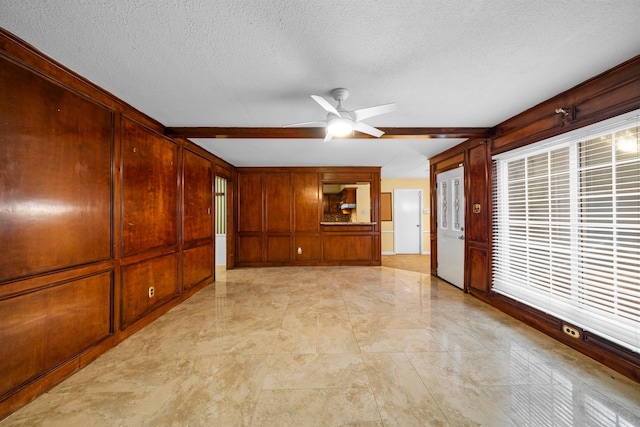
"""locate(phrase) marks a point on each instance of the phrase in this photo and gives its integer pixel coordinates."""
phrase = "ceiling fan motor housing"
(340, 94)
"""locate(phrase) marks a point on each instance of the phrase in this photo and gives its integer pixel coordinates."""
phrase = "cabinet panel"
(306, 202)
(278, 249)
(41, 329)
(478, 204)
(55, 178)
(331, 205)
(149, 189)
(249, 202)
(249, 249)
(348, 196)
(477, 269)
(161, 273)
(347, 247)
(308, 246)
(197, 265)
(278, 202)
(198, 200)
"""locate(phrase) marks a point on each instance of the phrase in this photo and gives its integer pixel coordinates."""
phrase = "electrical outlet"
(572, 332)
(299, 250)
(152, 291)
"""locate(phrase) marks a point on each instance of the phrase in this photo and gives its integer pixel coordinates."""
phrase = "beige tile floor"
(336, 346)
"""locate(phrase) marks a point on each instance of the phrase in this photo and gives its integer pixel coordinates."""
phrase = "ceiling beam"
(319, 132)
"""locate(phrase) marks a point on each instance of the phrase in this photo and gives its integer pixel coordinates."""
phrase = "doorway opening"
(221, 223)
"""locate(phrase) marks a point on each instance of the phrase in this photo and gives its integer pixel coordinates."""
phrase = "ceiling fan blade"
(327, 137)
(369, 130)
(324, 104)
(303, 124)
(364, 113)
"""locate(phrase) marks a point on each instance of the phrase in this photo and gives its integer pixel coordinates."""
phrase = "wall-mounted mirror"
(346, 203)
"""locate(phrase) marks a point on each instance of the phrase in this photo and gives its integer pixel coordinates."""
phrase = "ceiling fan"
(341, 122)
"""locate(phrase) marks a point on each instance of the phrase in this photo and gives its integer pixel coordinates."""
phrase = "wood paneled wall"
(98, 206)
(612, 93)
(279, 214)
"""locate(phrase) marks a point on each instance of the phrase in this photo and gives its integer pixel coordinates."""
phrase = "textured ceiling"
(446, 63)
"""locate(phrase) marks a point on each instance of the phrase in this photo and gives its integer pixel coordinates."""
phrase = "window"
(567, 228)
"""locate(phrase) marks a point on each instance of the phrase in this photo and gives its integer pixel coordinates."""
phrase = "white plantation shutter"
(566, 236)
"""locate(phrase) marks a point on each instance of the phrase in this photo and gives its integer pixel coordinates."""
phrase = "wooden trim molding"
(610, 354)
(319, 132)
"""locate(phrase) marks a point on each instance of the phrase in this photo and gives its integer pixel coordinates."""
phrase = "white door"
(450, 223)
(407, 221)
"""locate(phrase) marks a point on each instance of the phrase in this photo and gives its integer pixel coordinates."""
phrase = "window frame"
(512, 272)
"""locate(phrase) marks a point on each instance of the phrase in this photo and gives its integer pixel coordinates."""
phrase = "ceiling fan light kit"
(342, 122)
(337, 126)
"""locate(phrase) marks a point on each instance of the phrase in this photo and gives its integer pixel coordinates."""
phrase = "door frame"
(463, 280)
(230, 203)
(420, 220)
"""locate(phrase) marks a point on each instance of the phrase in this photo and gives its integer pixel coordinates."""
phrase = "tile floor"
(336, 346)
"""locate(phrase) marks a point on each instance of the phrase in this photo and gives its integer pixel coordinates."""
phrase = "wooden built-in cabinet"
(279, 215)
(348, 196)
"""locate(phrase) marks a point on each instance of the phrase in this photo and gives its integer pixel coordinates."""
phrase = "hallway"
(332, 346)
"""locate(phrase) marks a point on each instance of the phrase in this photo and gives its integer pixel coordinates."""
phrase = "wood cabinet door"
(149, 189)
(349, 196)
(198, 200)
